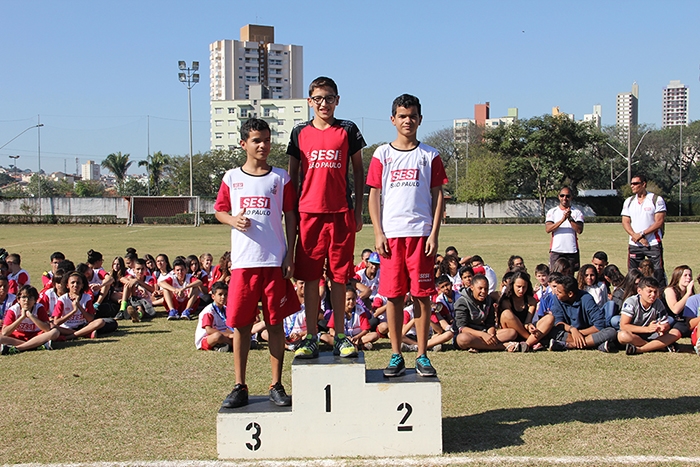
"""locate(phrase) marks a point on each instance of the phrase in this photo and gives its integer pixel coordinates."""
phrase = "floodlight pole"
(189, 77)
(15, 158)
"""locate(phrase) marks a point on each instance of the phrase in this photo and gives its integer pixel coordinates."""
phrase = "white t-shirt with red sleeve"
(265, 198)
(172, 279)
(212, 316)
(17, 280)
(406, 179)
(64, 305)
(5, 305)
(357, 322)
(26, 326)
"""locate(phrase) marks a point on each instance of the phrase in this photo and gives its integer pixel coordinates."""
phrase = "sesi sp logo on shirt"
(255, 202)
(404, 174)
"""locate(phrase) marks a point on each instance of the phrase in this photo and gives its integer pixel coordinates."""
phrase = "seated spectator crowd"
(598, 309)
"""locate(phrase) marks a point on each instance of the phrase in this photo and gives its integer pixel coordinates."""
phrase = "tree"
(155, 165)
(89, 189)
(485, 180)
(444, 141)
(543, 153)
(118, 164)
(207, 171)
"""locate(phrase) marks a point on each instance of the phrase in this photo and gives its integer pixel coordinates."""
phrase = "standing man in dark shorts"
(643, 217)
(565, 224)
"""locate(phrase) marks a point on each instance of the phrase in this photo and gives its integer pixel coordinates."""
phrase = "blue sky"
(95, 70)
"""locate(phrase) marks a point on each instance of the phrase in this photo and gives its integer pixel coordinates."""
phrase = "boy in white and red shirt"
(252, 199)
(407, 176)
(180, 291)
(16, 276)
(136, 297)
(212, 333)
(26, 325)
(74, 315)
(355, 322)
(320, 152)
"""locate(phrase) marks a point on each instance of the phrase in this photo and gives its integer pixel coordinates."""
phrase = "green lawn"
(146, 394)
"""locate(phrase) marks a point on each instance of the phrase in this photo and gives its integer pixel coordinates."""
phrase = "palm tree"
(155, 165)
(118, 164)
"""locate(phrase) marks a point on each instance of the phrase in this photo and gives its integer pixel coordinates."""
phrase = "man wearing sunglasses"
(565, 224)
(643, 217)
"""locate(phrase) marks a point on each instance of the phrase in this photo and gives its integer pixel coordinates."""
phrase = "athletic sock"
(123, 306)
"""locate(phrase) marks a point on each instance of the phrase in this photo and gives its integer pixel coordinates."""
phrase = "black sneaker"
(631, 349)
(223, 348)
(605, 347)
(397, 366)
(424, 367)
(237, 398)
(673, 348)
(556, 346)
(279, 397)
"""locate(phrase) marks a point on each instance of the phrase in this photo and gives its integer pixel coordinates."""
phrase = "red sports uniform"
(26, 329)
(326, 216)
(257, 254)
(406, 179)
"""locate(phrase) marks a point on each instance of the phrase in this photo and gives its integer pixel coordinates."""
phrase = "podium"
(339, 409)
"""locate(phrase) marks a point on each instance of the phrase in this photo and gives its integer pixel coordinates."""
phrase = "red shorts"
(324, 236)
(249, 286)
(180, 306)
(205, 344)
(694, 336)
(407, 269)
(25, 336)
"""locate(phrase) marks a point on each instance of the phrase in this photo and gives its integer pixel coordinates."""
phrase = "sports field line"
(400, 461)
(132, 230)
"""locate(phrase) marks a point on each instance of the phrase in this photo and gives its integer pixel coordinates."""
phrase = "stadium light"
(189, 78)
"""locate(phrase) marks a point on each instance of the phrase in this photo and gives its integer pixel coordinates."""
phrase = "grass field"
(146, 394)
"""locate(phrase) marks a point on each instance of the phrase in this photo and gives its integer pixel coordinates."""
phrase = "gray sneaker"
(279, 397)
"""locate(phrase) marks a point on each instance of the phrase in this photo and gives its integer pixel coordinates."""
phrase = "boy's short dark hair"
(219, 285)
(451, 248)
(553, 276)
(141, 262)
(464, 269)
(15, 257)
(253, 124)
(443, 279)
(29, 290)
(350, 287)
(323, 82)
(642, 178)
(476, 258)
(600, 256)
(648, 281)
(179, 262)
(4, 278)
(406, 101)
(57, 255)
(67, 265)
(542, 268)
(568, 282)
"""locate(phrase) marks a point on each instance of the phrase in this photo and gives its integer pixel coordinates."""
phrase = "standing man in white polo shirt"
(643, 217)
(565, 224)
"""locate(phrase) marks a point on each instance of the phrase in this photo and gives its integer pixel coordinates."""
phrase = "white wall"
(509, 208)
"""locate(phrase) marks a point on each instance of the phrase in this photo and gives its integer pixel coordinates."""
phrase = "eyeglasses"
(565, 196)
(10, 262)
(635, 183)
(318, 100)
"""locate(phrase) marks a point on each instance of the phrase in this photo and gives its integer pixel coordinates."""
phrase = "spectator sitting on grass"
(47, 276)
(212, 333)
(74, 315)
(517, 308)
(26, 324)
(17, 277)
(578, 322)
(644, 324)
(6, 299)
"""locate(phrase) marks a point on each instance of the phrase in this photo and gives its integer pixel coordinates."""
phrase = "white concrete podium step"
(339, 409)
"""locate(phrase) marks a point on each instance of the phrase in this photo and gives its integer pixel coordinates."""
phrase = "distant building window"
(231, 135)
(231, 123)
(218, 122)
(266, 112)
(218, 110)
(244, 112)
(232, 110)
(280, 110)
(280, 122)
(219, 135)
(297, 109)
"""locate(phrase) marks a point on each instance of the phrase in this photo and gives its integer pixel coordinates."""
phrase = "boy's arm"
(431, 245)
(375, 213)
(8, 329)
(238, 222)
(359, 177)
(626, 325)
(293, 170)
(290, 225)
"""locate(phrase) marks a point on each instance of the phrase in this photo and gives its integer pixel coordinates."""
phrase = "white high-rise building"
(91, 171)
(627, 109)
(675, 104)
(255, 59)
(596, 117)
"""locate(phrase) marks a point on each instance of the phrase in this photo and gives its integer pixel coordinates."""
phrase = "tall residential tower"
(627, 110)
(675, 104)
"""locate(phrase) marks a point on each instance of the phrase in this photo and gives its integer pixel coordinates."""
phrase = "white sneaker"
(408, 347)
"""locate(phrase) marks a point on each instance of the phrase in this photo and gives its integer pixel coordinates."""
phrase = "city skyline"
(103, 77)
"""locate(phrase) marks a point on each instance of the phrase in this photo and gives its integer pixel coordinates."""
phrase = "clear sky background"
(95, 70)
